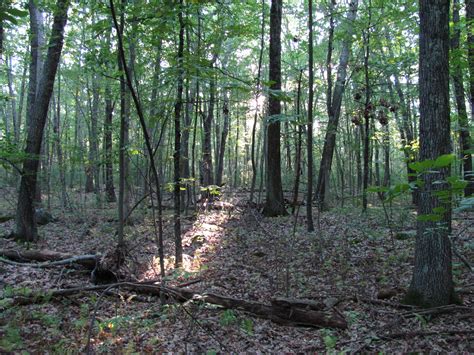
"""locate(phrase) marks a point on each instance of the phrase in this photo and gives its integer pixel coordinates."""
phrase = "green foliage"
(11, 14)
(213, 190)
(454, 187)
(247, 326)
(228, 318)
(330, 340)
(11, 339)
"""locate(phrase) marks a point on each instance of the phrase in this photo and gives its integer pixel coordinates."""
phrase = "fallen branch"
(437, 310)
(47, 258)
(421, 333)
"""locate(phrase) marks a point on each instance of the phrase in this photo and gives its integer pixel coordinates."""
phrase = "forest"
(227, 176)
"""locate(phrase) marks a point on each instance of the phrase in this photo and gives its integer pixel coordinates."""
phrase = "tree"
(432, 283)
(309, 139)
(464, 135)
(470, 54)
(177, 142)
(25, 215)
(274, 204)
(334, 101)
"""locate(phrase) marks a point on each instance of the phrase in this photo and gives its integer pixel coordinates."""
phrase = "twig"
(421, 333)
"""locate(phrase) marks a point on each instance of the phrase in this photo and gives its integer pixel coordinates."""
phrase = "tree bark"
(207, 144)
(257, 95)
(59, 151)
(334, 108)
(177, 142)
(367, 112)
(309, 137)
(224, 133)
(274, 204)
(464, 135)
(26, 228)
(470, 54)
(299, 144)
(109, 171)
(432, 283)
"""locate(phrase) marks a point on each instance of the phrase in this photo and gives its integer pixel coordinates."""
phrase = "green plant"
(247, 326)
(228, 317)
(329, 339)
(11, 338)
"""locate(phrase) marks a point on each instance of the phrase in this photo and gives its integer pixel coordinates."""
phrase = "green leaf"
(439, 210)
(443, 161)
(429, 218)
(17, 12)
(421, 166)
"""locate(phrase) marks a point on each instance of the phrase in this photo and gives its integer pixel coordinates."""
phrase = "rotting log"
(48, 258)
(282, 311)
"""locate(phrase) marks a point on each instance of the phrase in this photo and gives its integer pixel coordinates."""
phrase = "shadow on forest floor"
(349, 262)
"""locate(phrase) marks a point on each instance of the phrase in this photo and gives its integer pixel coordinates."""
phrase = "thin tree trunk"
(11, 92)
(109, 171)
(299, 144)
(464, 135)
(257, 95)
(59, 151)
(470, 55)
(367, 112)
(309, 139)
(225, 132)
(207, 148)
(145, 134)
(177, 143)
(334, 101)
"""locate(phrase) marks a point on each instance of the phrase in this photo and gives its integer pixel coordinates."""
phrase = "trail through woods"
(348, 267)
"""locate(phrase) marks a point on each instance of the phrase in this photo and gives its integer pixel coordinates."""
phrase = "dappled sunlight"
(200, 239)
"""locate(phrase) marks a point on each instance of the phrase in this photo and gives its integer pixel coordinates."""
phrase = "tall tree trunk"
(309, 139)
(177, 143)
(35, 71)
(257, 95)
(109, 171)
(149, 148)
(470, 54)
(299, 143)
(207, 148)
(225, 132)
(11, 92)
(432, 283)
(25, 218)
(464, 135)
(367, 111)
(123, 141)
(334, 101)
(274, 204)
(59, 151)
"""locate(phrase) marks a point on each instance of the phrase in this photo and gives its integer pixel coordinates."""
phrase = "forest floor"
(350, 263)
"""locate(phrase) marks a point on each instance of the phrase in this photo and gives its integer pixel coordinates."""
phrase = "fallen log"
(48, 258)
(282, 311)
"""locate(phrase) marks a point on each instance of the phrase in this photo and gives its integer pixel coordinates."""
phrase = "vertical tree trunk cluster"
(465, 153)
(334, 102)
(40, 92)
